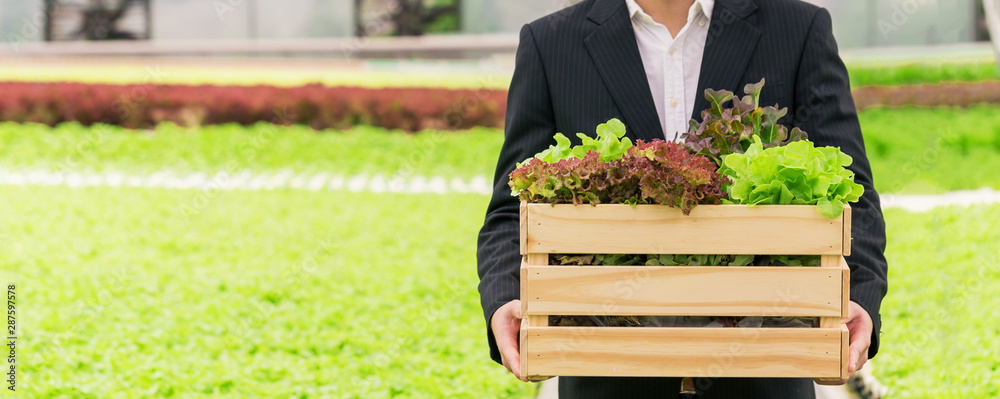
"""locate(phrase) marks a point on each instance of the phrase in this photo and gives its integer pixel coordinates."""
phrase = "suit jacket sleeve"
(825, 109)
(529, 127)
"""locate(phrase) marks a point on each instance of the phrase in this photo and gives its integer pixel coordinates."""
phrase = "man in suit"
(647, 62)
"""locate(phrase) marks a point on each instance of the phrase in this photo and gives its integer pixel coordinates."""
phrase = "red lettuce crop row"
(956, 94)
(339, 107)
(317, 106)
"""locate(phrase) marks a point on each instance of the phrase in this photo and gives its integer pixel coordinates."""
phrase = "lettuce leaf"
(725, 131)
(610, 144)
(795, 174)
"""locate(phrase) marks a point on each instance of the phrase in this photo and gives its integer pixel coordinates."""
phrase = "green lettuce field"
(262, 294)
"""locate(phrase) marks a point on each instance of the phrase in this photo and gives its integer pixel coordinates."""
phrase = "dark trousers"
(669, 388)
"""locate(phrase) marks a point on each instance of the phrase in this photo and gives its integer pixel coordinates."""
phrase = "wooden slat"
(679, 352)
(681, 291)
(845, 295)
(657, 229)
(523, 347)
(524, 227)
(845, 356)
(847, 230)
(522, 294)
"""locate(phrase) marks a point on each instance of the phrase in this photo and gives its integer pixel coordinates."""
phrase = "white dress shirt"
(672, 64)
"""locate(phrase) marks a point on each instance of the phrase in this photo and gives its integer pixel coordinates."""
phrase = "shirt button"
(646, 19)
(671, 51)
(701, 23)
(673, 103)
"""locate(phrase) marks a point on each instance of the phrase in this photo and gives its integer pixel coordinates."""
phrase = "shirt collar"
(706, 7)
(703, 7)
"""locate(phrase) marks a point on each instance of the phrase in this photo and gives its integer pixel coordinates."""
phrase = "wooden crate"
(683, 291)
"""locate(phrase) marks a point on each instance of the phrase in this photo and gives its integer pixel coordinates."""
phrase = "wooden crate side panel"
(649, 229)
(681, 291)
(681, 352)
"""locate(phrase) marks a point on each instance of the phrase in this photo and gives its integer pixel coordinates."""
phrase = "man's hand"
(506, 326)
(860, 326)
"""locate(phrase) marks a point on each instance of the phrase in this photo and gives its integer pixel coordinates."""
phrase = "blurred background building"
(858, 23)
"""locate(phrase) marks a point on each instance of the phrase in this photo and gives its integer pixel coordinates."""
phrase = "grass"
(912, 150)
(126, 293)
(919, 150)
(975, 70)
(862, 74)
(940, 335)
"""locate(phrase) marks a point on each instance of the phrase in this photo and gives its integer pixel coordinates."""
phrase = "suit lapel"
(614, 50)
(732, 39)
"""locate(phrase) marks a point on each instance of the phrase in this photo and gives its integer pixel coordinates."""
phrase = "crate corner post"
(847, 230)
(523, 231)
(523, 347)
(845, 295)
(533, 319)
(845, 355)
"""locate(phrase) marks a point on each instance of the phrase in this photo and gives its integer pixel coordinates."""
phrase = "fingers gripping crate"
(684, 291)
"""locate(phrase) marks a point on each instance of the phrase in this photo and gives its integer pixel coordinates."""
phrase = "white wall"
(857, 23)
(506, 16)
(864, 23)
(21, 21)
(229, 19)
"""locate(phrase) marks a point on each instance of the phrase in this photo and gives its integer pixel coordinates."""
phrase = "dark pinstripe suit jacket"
(580, 67)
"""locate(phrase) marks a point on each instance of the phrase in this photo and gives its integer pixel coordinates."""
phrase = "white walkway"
(246, 180)
(377, 183)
